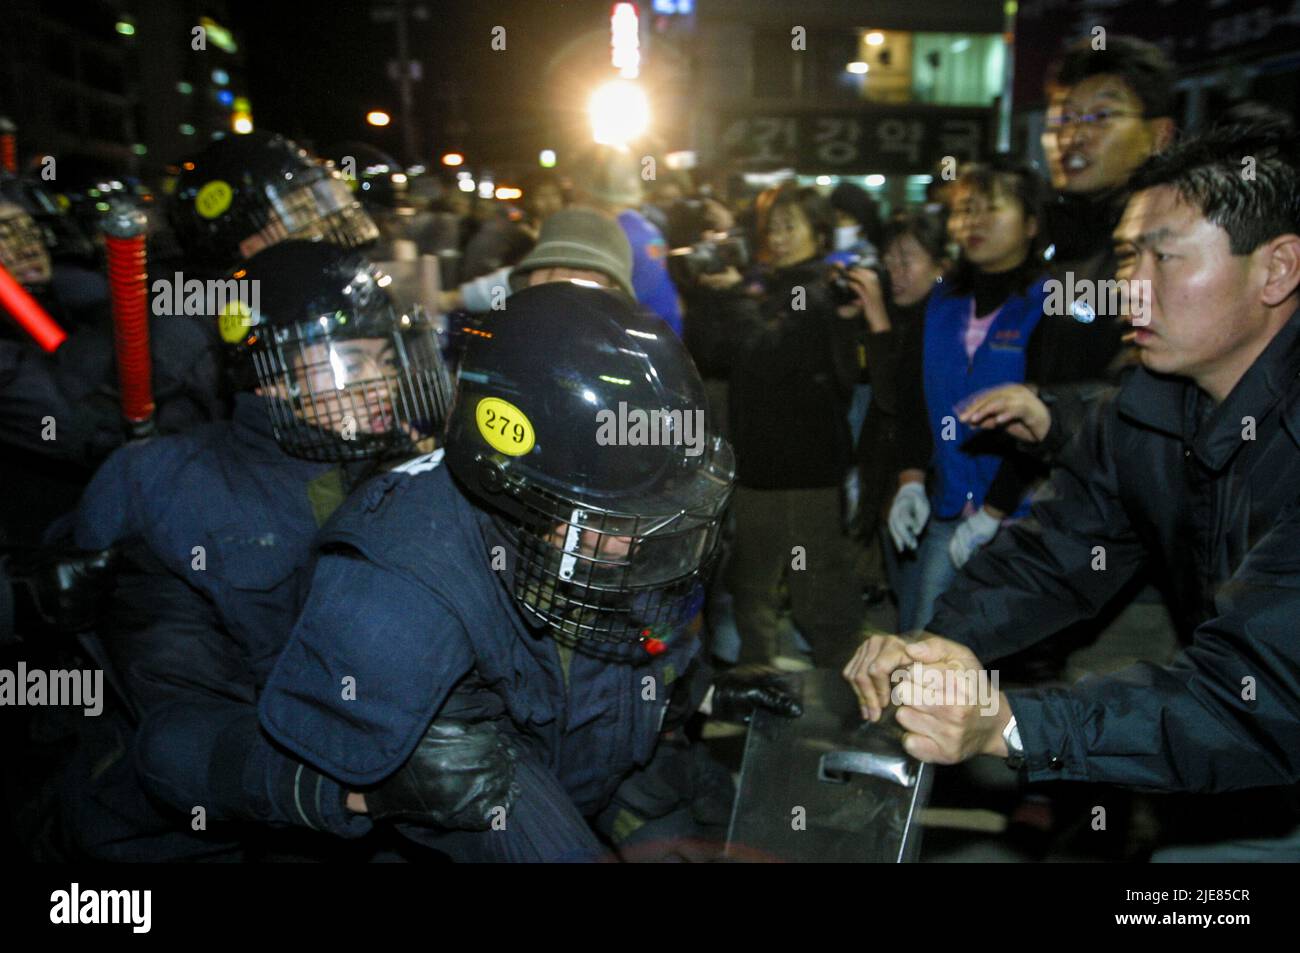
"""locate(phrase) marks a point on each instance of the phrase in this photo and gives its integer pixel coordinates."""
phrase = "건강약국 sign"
(866, 139)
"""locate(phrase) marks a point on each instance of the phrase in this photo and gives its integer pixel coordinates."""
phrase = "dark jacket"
(405, 601)
(223, 509)
(1072, 361)
(1207, 498)
(791, 374)
(877, 444)
(215, 525)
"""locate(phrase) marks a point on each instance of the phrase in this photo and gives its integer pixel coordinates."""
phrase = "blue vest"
(650, 280)
(949, 379)
(423, 624)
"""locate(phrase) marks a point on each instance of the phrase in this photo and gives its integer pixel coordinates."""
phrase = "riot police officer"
(332, 379)
(536, 578)
(244, 193)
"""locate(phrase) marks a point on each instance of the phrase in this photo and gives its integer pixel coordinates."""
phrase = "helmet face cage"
(22, 250)
(317, 207)
(345, 389)
(607, 581)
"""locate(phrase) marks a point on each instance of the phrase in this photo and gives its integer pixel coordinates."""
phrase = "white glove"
(974, 531)
(908, 515)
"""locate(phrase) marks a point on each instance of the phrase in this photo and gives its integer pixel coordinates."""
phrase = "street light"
(453, 158)
(620, 113)
(377, 117)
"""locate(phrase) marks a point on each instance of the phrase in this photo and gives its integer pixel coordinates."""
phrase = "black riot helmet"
(243, 193)
(347, 374)
(375, 177)
(580, 422)
(22, 247)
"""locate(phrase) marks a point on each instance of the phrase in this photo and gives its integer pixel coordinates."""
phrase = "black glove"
(738, 692)
(63, 590)
(458, 774)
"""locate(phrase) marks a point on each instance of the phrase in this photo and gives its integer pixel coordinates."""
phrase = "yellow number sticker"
(504, 426)
(233, 323)
(213, 199)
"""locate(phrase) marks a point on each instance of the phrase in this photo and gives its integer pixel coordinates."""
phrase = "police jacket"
(217, 527)
(226, 511)
(405, 606)
(1207, 498)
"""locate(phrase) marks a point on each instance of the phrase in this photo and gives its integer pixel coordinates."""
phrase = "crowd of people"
(370, 573)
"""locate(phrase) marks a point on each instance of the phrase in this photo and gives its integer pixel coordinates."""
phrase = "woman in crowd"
(975, 336)
(915, 258)
(793, 367)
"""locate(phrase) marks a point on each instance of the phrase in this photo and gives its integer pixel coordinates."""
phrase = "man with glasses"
(1108, 112)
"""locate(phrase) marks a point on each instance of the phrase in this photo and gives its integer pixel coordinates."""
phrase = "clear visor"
(300, 208)
(339, 394)
(323, 209)
(623, 552)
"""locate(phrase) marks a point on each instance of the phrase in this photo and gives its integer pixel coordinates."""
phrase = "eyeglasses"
(1095, 120)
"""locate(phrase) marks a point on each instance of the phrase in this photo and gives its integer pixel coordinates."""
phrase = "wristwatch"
(1015, 750)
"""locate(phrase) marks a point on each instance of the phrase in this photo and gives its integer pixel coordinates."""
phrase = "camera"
(707, 257)
(842, 290)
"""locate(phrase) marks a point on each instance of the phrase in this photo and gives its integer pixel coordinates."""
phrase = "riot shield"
(827, 786)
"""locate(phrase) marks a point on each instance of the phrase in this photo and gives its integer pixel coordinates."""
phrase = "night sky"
(315, 69)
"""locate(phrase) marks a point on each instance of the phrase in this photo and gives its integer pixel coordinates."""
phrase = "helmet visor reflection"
(348, 395)
(320, 210)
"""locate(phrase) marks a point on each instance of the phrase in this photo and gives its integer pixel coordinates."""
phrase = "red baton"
(29, 314)
(124, 241)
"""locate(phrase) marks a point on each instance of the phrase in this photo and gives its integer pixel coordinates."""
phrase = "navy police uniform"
(405, 603)
(215, 524)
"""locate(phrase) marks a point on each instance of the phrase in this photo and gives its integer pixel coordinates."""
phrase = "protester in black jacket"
(793, 366)
(1191, 471)
(915, 257)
